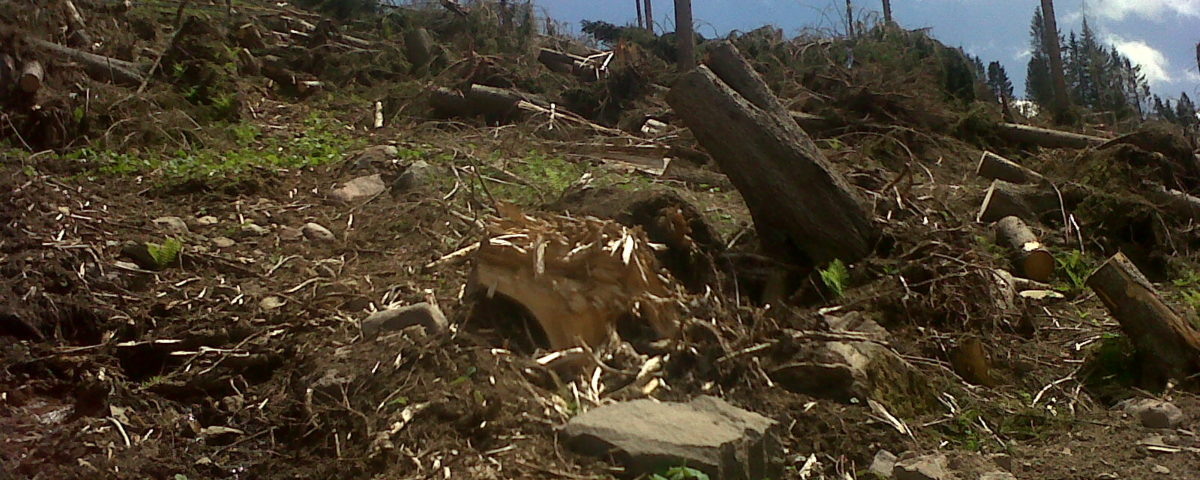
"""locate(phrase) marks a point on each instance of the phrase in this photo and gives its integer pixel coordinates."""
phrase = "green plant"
(166, 253)
(1074, 268)
(680, 473)
(836, 277)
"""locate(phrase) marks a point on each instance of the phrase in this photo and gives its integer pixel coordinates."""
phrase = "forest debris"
(1031, 258)
(1044, 137)
(1179, 203)
(394, 319)
(970, 361)
(807, 211)
(100, 68)
(1027, 202)
(30, 79)
(505, 104)
(590, 68)
(1167, 345)
(577, 277)
(76, 27)
(995, 167)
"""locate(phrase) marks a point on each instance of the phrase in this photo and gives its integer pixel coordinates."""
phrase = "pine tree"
(1038, 86)
(998, 82)
(1185, 112)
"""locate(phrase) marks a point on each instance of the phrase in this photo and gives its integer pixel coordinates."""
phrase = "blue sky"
(1159, 35)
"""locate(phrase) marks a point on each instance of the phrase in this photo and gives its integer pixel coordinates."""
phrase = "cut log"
(803, 210)
(31, 76)
(249, 37)
(566, 63)
(1044, 137)
(1026, 202)
(995, 167)
(1031, 258)
(100, 68)
(1167, 345)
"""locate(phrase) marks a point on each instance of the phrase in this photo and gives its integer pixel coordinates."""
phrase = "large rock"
(883, 464)
(424, 314)
(1153, 413)
(706, 433)
(926, 467)
(360, 188)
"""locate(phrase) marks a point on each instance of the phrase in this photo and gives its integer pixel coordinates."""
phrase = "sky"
(1159, 35)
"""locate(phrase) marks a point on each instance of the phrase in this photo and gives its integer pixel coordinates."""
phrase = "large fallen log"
(803, 210)
(1044, 137)
(577, 277)
(1031, 258)
(1167, 345)
(100, 68)
(995, 167)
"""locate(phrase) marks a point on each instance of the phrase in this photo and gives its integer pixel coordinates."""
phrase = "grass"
(545, 179)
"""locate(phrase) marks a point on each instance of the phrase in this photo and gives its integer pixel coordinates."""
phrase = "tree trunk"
(1026, 202)
(77, 29)
(1044, 137)
(1031, 259)
(1054, 51)
(100, 68)
(649, 18)
(849, 19)
(887, 12)
(30, 79)
(685, 38)
(803, 210)
(733, 69)
(1167, 346)
(995, 167)
(638, 5)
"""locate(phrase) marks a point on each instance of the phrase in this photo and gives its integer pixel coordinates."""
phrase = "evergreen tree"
(998, 82)
(1185, 112)
(1039, 87)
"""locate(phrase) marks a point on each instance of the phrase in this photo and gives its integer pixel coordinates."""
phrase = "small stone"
(317, 233)
(171, 224)
(1161, 469)
(373, 157)
(361, 188)
(271, 303)
(415, 176)
(423, 314)
(926, 467)
(290, 234)
(883, 463)
(255, 229)
(223, 242)
(1153, 413)
(207, 220)
(706, 433)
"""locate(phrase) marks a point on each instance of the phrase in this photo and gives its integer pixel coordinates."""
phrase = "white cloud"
(1023, 54)
(1149, 9)
(1154, 64)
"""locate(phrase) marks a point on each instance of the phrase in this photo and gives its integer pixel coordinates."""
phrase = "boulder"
(360, 188)
(417, 175)
(1153, 413)
(706, 433)
(424, 314)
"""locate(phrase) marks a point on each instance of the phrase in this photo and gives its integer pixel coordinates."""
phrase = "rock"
(997, 476)
(255, 229)
(1161, 470)
(317, 233)
(847, 370)
(223, 242)
(360, 188)
(925, 467)
(706, 433)
(171, 224)
(290, 234)
(1153, 413)
(424, 314)
(207, 220)
(415, 176)
(372, 157)
(271, 303)
(140, 254)
(1002, 460)
(883, 464)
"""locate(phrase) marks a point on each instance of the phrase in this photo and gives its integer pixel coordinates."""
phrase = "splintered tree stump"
(803, 210)
(577, 277)
(995, 167)
(733, 69)
(1167, 345)
(1031, 258)
(30, 79)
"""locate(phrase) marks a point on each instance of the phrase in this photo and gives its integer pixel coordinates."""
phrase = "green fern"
(166, 254)
(836, 277)
(680, 473)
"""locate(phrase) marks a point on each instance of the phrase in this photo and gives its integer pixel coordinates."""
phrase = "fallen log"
(995, 167)
(1004, 199)
(1044, 137)
(1167, 345)
(454, 6)
(505, 104)
(100, 68)
(804, 211)
(566, 63)
(1031, 259)
(30, 79)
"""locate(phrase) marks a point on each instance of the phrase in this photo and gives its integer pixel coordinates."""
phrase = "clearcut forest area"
(339, 239)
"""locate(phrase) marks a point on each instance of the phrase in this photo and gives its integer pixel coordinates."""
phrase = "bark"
(803, 210)
(685, 36)
(1054, 51)
(887, 12)
(1026, 202)
(1166, 344)
(641, 22)
(31, 76)
(98, 67)
(728, 63)
(649, 17)
(995, 167)
(1031, 259)
(1044, 137)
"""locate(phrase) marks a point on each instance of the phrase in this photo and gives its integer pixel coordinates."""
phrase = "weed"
(1074, 268)
(680, 473)
(166, 253)
(836, 277)
(545, 178)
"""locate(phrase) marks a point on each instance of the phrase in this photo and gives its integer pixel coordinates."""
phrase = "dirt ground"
(244, 356)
